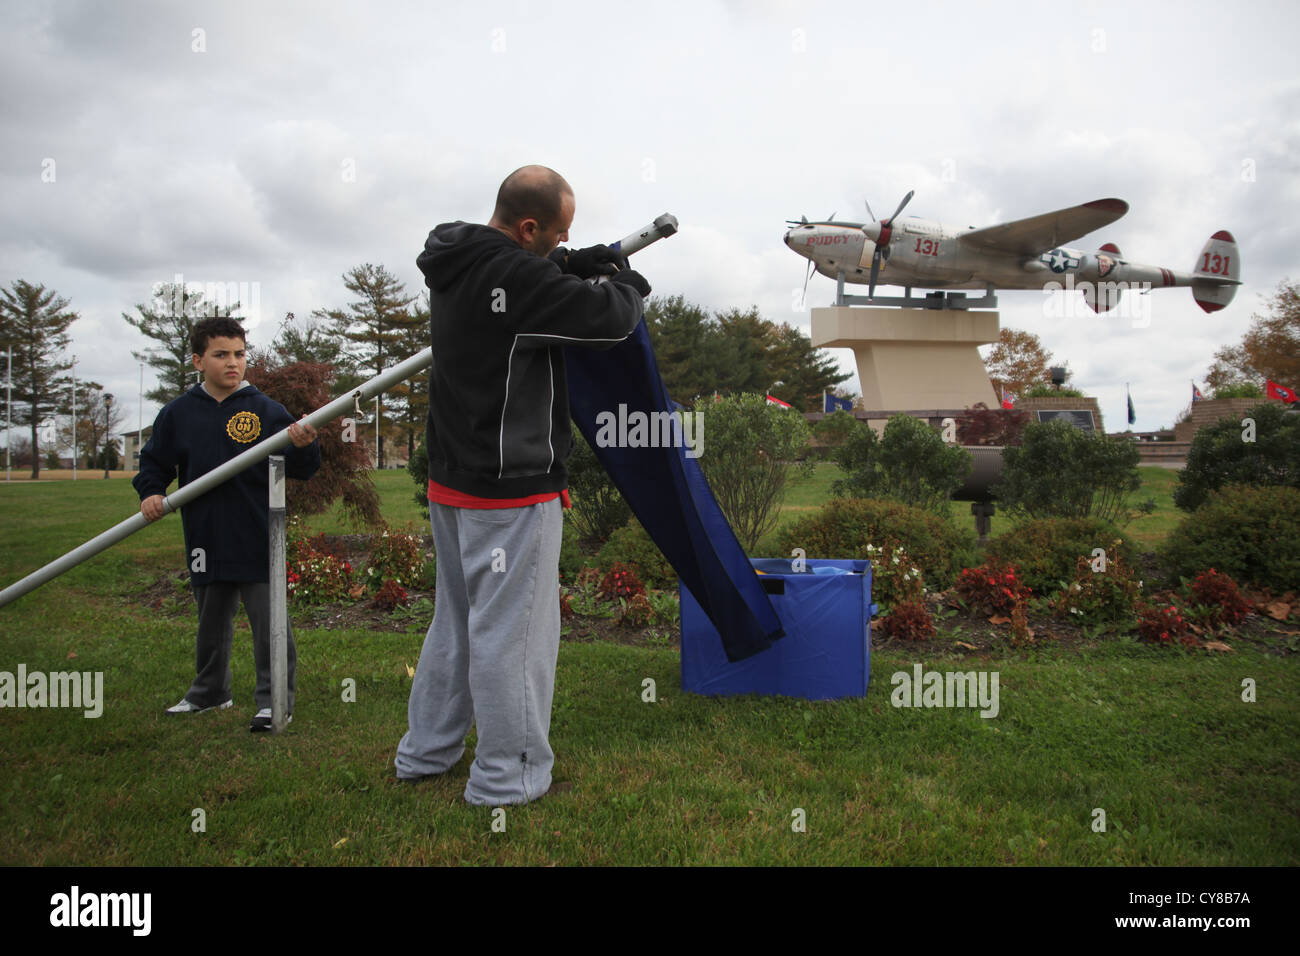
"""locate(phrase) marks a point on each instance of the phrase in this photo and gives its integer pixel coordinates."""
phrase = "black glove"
(560, 257)
(635, 279)
(598, 260)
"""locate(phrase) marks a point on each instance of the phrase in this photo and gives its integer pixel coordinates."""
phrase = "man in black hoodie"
(504, 302)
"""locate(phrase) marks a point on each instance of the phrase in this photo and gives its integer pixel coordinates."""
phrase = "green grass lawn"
(1159, 739)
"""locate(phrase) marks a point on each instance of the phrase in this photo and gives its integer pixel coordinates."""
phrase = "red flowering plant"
(1218, 593)
(1163, 624)
(390, 596)
(620, 581)
(315, 576)
(993, 588)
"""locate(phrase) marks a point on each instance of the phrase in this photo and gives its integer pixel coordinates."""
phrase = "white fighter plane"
(1024, 254)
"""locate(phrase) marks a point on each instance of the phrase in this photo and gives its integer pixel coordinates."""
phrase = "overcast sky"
(279, 144)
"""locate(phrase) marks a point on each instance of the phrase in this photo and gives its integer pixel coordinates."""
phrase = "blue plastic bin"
(826, 651)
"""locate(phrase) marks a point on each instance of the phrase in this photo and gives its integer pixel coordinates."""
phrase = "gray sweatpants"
(217, 605)
(489, 656)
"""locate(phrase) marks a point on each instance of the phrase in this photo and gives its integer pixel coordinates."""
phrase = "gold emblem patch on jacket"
(244, 427)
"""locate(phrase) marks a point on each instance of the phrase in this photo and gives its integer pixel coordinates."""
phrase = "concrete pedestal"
(913, 358)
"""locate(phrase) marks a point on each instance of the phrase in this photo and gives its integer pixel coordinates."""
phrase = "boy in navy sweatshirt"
(226, 539)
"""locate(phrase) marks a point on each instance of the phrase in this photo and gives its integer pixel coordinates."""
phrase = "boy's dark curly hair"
(218, 326)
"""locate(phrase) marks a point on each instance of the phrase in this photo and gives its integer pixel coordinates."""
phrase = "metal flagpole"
(9, 409)
(74, 421)
(139, 421)
(665, 225)
(279, 598)
(376, 433)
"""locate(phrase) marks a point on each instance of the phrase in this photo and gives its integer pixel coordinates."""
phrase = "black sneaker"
(262, 721)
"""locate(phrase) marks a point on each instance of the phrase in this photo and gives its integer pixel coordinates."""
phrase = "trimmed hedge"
(1251, 534)
(1044, 552)
(843, 528)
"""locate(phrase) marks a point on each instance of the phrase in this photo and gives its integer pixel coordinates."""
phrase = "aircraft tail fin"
(1217, 272)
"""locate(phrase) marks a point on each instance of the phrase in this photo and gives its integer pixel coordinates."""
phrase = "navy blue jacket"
(193, 435)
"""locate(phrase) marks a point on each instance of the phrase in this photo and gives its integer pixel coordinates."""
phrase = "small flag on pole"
(1132, 415)
(1281, 392)
(834, 404)
(1196, 394)
(1008, 398)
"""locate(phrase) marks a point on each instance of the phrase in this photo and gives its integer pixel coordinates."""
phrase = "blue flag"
(667, 492)
(1132, 415)
(832, 404)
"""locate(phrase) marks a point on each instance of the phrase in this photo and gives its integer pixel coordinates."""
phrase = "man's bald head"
(531, 192)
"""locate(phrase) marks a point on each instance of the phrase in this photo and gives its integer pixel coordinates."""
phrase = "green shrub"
(843, 527)
(1048, 390)
(598, 508)
(418, 469)
(632, 545)
(1063, 472)
(1103, 591)
(572, 558)
(910, 464)
(1239, 390)
(749, 454)
(396, 555)
(1044, 551)
(1221, 456)
(1248, 533)
(835, 427)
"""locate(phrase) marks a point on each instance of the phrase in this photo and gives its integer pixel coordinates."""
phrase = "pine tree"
(35, 322)
(371, 328)
(413, 395)
(805, 372)
(170, 320)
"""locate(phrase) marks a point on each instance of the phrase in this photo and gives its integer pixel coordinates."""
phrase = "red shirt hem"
(459, 499)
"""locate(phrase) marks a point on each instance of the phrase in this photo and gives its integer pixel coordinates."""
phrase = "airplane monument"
(923, 352)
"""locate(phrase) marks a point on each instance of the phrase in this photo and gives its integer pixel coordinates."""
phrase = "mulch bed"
(959, 631)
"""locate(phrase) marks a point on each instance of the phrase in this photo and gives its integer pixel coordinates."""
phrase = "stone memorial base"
(913, 358)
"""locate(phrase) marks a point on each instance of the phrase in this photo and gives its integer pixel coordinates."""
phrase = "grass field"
(1186, 772)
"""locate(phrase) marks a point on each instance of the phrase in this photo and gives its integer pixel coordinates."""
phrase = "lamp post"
(108, 421)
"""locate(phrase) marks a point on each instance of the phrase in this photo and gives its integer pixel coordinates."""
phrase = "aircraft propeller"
(803, 296)
(883, 230)
(803, 221)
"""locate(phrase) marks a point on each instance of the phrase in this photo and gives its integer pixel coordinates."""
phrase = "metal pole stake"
(279, 599)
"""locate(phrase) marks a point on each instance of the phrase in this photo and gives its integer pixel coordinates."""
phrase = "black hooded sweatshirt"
(498, 424)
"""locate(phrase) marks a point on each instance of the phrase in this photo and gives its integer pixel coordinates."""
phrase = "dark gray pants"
(217, 605)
